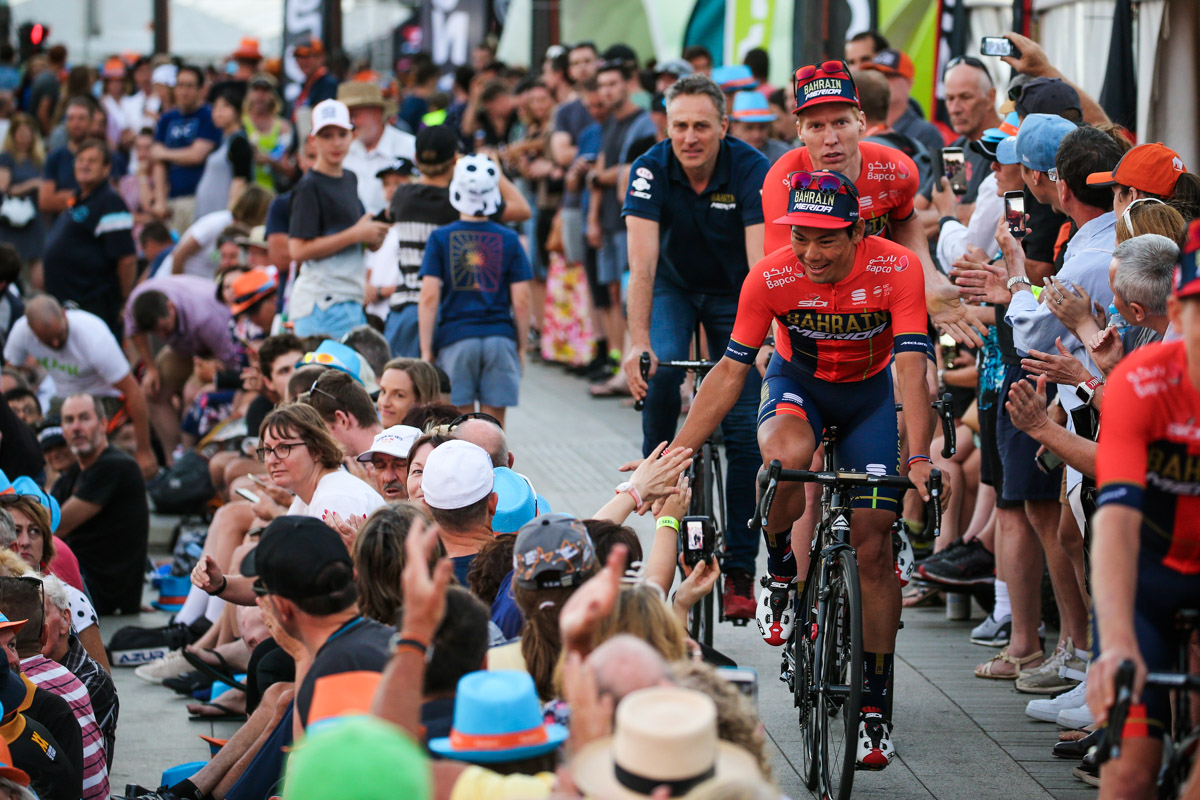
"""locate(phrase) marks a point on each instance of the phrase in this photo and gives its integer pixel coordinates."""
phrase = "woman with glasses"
(30, 538)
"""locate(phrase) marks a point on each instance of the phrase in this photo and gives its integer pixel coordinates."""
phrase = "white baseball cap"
(395, 441)
(330, 112)
(164, 74)
(457, 474)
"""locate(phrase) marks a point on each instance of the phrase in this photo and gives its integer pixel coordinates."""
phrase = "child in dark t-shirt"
(475, 287)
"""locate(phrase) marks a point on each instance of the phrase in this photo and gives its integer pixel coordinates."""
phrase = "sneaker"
(1075, 718)
(776, 614)
(875, 749)
(738, 594)
(1045, 679)
(158, 671)
(1047, 709)
(973, 565)
(950, 551)
(1075, 665)
(993, 633)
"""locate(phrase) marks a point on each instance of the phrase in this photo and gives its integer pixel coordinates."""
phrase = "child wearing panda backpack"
(474, 305)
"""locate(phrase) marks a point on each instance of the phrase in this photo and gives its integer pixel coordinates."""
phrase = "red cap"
(1152, 168)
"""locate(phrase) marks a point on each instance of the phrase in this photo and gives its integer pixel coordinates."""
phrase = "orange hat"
(252, 286)
(114, 68)
(892, 62)
(342, 695)
(7, 770)
(309, 47)
(248, 50)
(1152, 168)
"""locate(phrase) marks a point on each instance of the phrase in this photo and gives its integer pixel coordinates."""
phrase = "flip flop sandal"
(922, 596)
(224, 673)
(227, 714)
(188, 684)
(991, 668)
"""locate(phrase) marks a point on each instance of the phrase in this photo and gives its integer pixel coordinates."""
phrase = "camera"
(699, 539)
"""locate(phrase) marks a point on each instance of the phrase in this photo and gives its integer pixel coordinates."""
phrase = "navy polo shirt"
(702, 245)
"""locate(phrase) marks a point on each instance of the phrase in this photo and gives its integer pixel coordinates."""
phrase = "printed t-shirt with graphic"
(89, 362)
(177, 131)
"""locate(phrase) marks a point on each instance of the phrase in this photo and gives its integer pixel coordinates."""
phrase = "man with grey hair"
(1140, 275)
(695, 220)
(489, 436)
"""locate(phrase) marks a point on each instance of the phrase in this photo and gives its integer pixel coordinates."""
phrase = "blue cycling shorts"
(864, 413)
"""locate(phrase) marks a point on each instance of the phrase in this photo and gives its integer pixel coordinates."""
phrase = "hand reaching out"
(1063, 368)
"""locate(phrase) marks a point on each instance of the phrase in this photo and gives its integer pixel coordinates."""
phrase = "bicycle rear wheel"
(803, 654)
(839, 693)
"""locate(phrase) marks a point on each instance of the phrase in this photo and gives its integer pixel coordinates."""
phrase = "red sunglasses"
(828, 67)
(824, 181)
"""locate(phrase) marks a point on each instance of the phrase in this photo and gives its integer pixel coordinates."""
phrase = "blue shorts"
(864, 413)
(403, 332)
(333, 322)
(1022, 478)
(485, 369)
(612, 259)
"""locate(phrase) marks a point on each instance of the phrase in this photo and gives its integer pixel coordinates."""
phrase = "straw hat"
(664, 735)
(360, 94)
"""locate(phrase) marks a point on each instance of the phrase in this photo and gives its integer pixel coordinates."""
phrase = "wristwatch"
(1086, 390)
(1014, 280)
(628, 486)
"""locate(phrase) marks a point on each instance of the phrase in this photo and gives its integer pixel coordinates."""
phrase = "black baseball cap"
(399, 166)
(1047, 96)
(296, 558)
(436, 144)
(620, 54)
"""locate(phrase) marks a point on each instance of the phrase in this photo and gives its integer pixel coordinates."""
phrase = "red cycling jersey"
(837, 332)
(1149, 452)
(886, 187)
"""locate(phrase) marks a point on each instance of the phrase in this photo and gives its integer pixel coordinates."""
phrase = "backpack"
(185, 489)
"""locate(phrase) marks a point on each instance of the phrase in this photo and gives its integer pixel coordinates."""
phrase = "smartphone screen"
(695, 535)
(997, 46)
(745, 679)
(247, 495)
(954, 167)
(1014, 212)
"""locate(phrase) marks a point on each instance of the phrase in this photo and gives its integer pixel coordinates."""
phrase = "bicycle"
(1185, 736)
(708, 497)
(822, 659)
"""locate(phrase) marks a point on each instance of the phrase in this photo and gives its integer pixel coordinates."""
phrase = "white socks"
(194, 606)
(1003, 606)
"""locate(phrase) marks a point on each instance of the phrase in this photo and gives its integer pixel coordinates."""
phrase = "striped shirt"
(100, 686)
(55, 678)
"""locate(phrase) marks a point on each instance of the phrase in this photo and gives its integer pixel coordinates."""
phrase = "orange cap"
(892, 62)
(248, 50)
(1152, 168)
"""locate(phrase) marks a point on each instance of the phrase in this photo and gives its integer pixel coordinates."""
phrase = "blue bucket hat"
(751, 107)
(26, 486)
(498, 718)
(1039, 138)
(733, 78)
(343, 358)
(516, 501)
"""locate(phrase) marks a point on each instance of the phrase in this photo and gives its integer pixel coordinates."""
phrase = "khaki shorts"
(183, 212)
(173, 370)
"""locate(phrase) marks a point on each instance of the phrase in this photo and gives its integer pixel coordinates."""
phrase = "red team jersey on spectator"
(837, 332)
(1149, 453)
(886, 187)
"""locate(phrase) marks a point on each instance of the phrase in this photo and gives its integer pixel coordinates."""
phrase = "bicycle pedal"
(739, 622)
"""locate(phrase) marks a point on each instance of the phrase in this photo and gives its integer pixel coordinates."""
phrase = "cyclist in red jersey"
(1146, 533)
(844, 304)
(830, 123)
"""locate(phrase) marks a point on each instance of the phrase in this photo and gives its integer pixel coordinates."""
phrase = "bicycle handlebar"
(769, 480)
(701, 367)
(1110, 747)
(644, 366)
(946, 417)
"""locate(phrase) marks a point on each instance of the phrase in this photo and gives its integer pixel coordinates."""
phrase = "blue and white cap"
(330, 112)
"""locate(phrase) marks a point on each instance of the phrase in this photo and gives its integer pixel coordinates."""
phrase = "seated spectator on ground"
(370, 345)
(343, 358)
(379, 556)
(347, 411)
(459, 647)
(457, 488)
(24, 403)
(22, 598)
(304, 578)
(417, 457)
(483, 430)
(302, 457)
(255, 303)
(105, 517)
(491, 574)
(34, 749)
(62, 644)
(388, 458)
(404, 383)
(81, 354)
(181, 311)
(428, 416)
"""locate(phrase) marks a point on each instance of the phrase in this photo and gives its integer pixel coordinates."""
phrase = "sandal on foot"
(923, 596)
(226, 714)
(993, 668)
(225, 673)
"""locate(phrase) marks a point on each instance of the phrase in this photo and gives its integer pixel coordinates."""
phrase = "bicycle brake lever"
(935, 501)
(949, 433)
(1110, 747)
(768, 482)
(644, 367)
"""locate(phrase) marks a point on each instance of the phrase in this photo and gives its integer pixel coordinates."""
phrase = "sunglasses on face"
(824, 182)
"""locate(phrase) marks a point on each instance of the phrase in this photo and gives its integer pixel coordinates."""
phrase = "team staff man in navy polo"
(695, 224)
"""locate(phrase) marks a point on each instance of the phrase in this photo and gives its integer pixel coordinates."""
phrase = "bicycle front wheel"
(804, 666)
(840, 685)
(700, 619)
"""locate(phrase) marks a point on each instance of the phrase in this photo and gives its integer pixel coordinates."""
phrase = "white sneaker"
(1047, 709)
(875, 750)
(992, 632)
(776, 609)
(1075, 718)
(158, 671)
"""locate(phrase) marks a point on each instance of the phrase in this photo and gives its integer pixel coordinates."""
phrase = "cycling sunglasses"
(461, 418)
(822, 181)
(838, 68)
(969, 60)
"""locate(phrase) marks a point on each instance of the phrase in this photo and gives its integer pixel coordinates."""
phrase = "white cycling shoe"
(875, 749)
(776, 614)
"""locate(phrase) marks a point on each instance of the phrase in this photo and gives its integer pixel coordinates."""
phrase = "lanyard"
(351, 625)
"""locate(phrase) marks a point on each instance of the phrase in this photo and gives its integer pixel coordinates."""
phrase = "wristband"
(919, 458)
(628, 486)
(945, 219)
(1037, 291)
(224, 583)
(402, 640)
(667, 522)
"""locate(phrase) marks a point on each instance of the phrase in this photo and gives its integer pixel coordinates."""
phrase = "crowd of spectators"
(305, 322)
